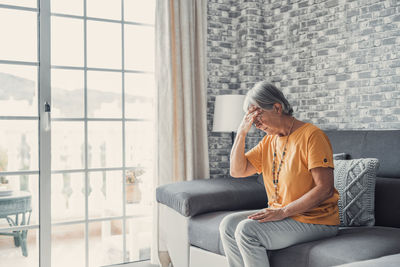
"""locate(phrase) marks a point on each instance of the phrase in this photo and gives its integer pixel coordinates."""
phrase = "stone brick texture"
(337, 62)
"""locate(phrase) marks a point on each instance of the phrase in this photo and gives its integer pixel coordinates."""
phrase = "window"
(101, 140)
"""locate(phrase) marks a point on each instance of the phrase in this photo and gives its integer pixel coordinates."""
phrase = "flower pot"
(133, 193)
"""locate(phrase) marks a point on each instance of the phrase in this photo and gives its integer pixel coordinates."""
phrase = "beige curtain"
(182, 150)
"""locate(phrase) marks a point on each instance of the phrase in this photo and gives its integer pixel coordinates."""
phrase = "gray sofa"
(204, 203)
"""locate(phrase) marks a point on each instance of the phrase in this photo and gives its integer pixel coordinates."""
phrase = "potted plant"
(133, 193)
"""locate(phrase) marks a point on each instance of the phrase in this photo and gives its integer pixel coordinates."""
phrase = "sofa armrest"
(190, 198)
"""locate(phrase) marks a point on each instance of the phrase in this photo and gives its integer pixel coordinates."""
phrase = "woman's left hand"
(268, 215)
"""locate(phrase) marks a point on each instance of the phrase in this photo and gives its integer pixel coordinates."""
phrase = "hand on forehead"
(253, 108)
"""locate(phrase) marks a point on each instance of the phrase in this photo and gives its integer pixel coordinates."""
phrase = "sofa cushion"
(386, 261)
(350, 245)
(383, 145)
(204, 231)
(190, 198)
(355, 181)
(387, 202)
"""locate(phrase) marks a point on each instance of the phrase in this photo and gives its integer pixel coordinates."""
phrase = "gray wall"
(337, 61)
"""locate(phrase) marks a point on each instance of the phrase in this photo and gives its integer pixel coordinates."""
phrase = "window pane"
(22, 192)
(139, 144)
(71, 7)
(139, 199)
(140, 11)
(67, 197)
(105, 144)
(68, 245)
(104, 94)
(139, 233)
(18, 145)
(105, 243)
(105, 194)
(10, 255)
(139, 95)
(139, 84)
(107, 9)
(18, 35)
(104, 45)
(139, 48)
(67, 145)
(139, 179)
(66, 42)
(18, 90)
(139, 191)
(19, 200)
(24, 3)
(67, 93)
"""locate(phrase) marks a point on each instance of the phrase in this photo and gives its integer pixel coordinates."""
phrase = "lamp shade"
(228, 113)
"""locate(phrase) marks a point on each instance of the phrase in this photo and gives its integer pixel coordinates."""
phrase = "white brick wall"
(337, 61)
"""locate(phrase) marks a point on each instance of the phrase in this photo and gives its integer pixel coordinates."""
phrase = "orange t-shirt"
(308, 147)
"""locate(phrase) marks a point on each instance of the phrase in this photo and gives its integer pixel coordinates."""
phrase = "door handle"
(47, 111)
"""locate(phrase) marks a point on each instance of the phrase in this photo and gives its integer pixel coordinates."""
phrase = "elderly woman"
(296, 161)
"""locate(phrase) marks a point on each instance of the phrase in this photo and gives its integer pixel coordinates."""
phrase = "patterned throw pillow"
(355, 181)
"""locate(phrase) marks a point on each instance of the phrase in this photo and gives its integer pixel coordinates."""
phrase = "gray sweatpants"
(246, 241)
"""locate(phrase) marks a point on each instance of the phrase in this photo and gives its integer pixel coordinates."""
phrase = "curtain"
(182, 146)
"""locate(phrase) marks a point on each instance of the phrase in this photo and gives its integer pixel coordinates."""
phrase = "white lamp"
(228, 113)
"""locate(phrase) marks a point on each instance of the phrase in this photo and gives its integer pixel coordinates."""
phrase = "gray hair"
(265, 95)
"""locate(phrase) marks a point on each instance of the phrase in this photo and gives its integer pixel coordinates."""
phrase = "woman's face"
(267, 121)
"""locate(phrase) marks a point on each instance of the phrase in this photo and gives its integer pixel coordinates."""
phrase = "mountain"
(17, 87)
(68, 101)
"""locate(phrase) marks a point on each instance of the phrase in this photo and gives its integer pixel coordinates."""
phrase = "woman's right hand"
(248, 120)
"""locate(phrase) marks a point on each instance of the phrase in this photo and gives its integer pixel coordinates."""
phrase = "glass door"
(102, 86)
(92, 159)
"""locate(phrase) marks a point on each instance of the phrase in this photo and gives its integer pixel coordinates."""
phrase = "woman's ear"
(278, 108)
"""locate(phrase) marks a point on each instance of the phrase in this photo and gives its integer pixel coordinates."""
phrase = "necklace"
(275, 178)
